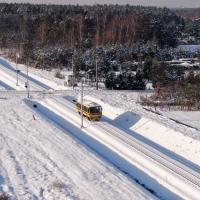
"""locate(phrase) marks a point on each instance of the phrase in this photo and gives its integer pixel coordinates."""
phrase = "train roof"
(89, 103)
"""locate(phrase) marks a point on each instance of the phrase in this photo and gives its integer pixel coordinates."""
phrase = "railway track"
(34, 84)
(182, 172)
(129, 140)
(169, 163)
(33, 93)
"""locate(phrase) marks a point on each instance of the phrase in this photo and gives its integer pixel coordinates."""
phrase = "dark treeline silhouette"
(84, 27)
(119, 38)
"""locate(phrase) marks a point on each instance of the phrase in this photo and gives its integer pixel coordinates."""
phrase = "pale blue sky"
(167, 3)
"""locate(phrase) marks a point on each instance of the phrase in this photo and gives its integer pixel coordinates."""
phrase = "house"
(70, 80)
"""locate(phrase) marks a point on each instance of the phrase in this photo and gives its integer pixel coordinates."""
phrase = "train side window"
(84, 108)
(78, 105)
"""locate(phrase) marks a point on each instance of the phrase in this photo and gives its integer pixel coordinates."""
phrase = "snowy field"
(159, 129)
(37, 155)
(38, 158)
(191, 118)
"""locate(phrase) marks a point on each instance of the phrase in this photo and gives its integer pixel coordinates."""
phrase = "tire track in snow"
(90, 175)
(83, 174)
(16, 174)
(103, 182)
(5, 182)
(42, 168)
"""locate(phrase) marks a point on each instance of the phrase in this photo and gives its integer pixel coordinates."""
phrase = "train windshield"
(96, 109)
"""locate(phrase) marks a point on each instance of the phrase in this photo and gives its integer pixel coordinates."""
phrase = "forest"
(32, 28)
(116, 37)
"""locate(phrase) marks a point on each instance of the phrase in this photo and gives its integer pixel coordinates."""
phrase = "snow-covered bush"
(59, 75)
(124, 81)
(4, 196)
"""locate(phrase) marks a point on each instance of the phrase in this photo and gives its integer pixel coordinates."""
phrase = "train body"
(91, 110)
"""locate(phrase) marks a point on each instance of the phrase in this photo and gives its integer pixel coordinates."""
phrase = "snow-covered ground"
(127, 101)
(191, 118)
(36, 155)
(128, 114)
(44, 76)
(24, 138)
(118, 147)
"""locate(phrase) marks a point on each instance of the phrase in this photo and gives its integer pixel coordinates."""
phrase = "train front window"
(95, 109)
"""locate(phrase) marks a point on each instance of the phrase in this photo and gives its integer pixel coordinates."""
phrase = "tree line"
(83, 27)
(54, 36)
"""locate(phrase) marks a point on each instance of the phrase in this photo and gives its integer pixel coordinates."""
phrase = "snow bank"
(39, 155)
(10, 82)
(165, 138)
(42, 76)
(110, 150)
(191, 118)
(5, 86)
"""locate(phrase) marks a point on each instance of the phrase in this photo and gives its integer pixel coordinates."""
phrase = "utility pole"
(27, 81)
(64, 31)
(81, 104)
(73, 76)
(97, 45)
(97, 87)
(17, 56)
(73, 65)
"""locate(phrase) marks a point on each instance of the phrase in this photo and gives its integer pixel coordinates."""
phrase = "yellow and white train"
(91, 110)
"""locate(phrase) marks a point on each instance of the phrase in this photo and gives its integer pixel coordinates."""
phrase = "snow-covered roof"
(186, 59)
(174, 61)
(186, 64)
(182, 63)
(89, 103)
(67, 73)
(117, 73)
(189, 48)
